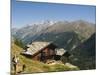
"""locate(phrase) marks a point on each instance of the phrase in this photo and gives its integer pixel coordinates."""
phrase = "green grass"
(61, 67)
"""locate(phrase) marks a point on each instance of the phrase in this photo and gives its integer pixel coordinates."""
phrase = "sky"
(24, 13)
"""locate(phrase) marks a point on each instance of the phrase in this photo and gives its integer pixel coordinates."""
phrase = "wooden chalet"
(41, 51)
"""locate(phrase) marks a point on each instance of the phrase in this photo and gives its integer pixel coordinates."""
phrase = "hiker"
(15, 60)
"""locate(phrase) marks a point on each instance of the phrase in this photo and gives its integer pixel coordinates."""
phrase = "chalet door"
(43, 56)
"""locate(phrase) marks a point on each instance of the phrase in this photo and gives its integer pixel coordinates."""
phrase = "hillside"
(36, 66)
(84, 55)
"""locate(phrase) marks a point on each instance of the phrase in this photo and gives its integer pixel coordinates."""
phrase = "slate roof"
(35, 47)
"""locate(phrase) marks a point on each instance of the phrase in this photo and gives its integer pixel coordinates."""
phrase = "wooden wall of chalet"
(45, 54)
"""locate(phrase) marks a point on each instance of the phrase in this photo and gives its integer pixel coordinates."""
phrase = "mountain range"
(64, 34)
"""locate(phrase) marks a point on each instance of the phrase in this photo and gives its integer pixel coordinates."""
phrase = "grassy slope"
(36, 66)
